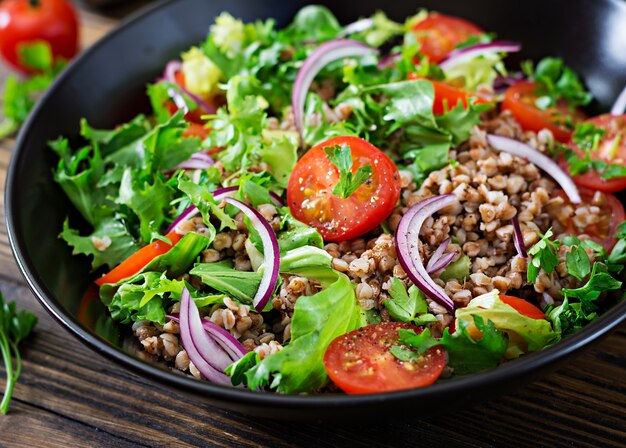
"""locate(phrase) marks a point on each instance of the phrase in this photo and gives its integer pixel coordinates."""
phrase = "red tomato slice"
(359, 362)
(447, 96)
(310, 191)
(612, 150)
(139, 259)
(523, 307)
(520, 100)
(439, 34)
(612, 215)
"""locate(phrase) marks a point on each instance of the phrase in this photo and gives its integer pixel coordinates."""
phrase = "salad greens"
(348, 181)
(15, 326)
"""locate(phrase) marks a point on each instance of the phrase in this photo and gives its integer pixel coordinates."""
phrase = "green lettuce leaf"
(239, 285)
(317, 320)
(537, 333)
(113, 231)
(181, 256)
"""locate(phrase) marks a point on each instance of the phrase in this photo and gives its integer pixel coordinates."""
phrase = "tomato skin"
(523, 307)
(359, 362)
(449, 96)
(615, 126)
(310, 197)
(53, 21)
(438, 34)
(520, 100)
(604, 234)
(139, 259)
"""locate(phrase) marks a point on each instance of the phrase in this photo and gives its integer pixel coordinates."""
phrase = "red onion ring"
(202, 351)
(434, 258)
(407, 239)
(357, 27)
(320, 58)
(442, 262)
(271, 253)
(518, 238)
(533, 155)
(169, 74)
(465, 54)
(231, 346)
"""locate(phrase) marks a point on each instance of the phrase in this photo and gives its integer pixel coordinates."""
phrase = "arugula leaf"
(409, 308)
(317, 320)
(544, 256)
(349, 182)
(557, 81)
(237, 370)
(15, 326)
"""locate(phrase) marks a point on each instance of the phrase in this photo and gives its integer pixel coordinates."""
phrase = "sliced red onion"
(434, 258)
(388, 61)
(465, 54)
(442, 263)
(231, 346)
(518, 238)
(198, 161)
(501, 83)
(202, 350)
(532, 155)
(271, 253)
(619, 106)
(218, 195)
(171, 69)
(357, 27)
(407, 239)
(320, 58)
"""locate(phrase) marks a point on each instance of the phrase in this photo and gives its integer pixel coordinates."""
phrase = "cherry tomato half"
(612, 150)
(448, 96)
(438, 34)
(310, 190)
(520, 100)
(611, 215)
(523, 307)
(26, 21)
(359, 362)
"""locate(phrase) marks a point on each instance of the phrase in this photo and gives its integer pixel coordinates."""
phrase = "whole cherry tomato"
(27, 21)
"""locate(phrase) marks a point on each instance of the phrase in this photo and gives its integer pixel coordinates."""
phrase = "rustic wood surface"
(70, 397)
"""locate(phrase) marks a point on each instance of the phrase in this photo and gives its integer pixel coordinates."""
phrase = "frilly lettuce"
(228, 33)
(535, 334)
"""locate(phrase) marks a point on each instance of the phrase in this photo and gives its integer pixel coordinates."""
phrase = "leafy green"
(556, 82)
(381, 30)
(409, 308)
(568, 318)
(465, 355)
(240, 285)
(296, 234)
(177, 260)
(304, 257)
(109, 141)
(544, 256)
(459, 269)
(537, 333)
(109, 244)
(15, 326)
(600, 281)
(280, 153)
(349, 182)
(577, 262)
(317, 320)
(20, 95)
(313, 23)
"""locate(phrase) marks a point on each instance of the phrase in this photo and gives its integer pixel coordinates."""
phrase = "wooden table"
(70, 397)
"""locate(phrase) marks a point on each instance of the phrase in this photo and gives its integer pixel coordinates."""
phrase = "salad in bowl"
(360, 209)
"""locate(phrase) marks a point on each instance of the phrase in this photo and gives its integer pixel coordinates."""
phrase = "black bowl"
(106, 85)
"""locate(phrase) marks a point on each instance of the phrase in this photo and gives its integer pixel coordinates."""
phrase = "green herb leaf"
(600, 281)
(544, 256)
(349, 182)
(15, 326)
(409, 308)
(404, 354)
(577, 262)
(557, 81)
